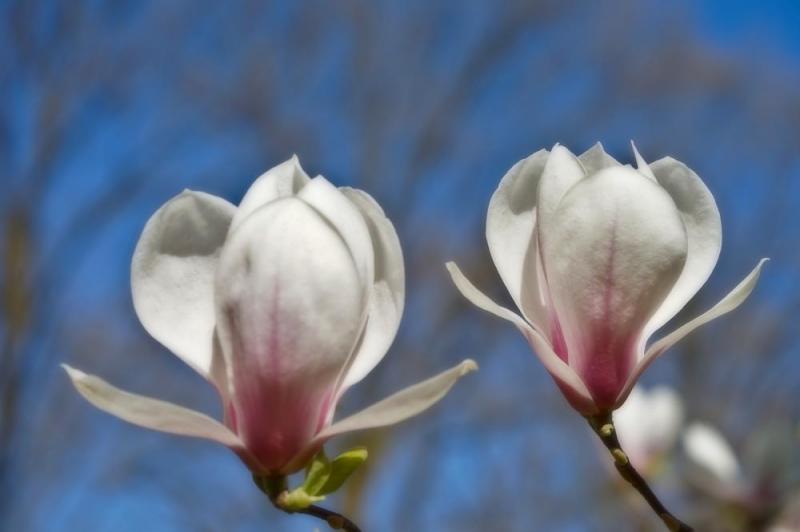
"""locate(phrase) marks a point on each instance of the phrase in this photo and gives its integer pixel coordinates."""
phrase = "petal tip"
(756, 273)
(73, 373)
(294, 161)
(640, 162)
(454, 271)
(467, 366)
(195, 195)
(760, 266)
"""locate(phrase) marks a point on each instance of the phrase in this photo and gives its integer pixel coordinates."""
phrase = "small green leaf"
(341, 468)
(297, 499)
(317, 474)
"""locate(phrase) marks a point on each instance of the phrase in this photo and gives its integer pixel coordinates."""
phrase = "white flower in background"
(597, 257)
(648, 425)
(282, 304)
(708, 449)
(762, 494)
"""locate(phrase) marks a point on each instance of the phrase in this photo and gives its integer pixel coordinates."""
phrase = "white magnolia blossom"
(282, 304)
(648, 425)
(598, 256)
(709, 450)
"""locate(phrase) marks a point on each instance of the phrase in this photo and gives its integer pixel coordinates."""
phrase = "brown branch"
(276, 489)
(603, 426)
(335, 521)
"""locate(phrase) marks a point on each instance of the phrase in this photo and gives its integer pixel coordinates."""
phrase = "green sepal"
(297, 499)
(324, 476)
(341, 468)
(317, 473)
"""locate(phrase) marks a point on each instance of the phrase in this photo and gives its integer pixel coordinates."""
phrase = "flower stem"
(276, 488)
(603, 426)
(335, 520)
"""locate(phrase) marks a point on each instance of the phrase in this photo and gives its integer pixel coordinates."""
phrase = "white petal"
(704, 231)
(289, 312)
(561, 172)
(345, 217)
(641, 164)
(595, 159)
(535, 294)
(648, 423)
(403, 404)
(150, 413)
(615, 248)
(394, 409)
(564, 376)
(481, 300)
(172, 275)
(510, 223)
(388, 293)
(666, 407)
(282, 181)
(707, 448)
(629, 420)
(735, 298)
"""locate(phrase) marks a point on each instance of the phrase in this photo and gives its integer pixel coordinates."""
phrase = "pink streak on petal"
(607, 369)
(609, 354)
(275, 414)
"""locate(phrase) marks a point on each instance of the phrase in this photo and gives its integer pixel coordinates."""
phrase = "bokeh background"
(110, 108)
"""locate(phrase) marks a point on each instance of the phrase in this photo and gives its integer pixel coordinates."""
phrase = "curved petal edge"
(396, 408)
(403, 404)
(150, 413)
(728, 303)
(571, 385)
(388, 292)
(172, 274)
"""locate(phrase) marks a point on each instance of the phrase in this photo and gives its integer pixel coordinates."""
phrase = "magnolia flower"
(710, 451)
(762, 494)
(648, 425)
(282, 304)
(598, 256)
